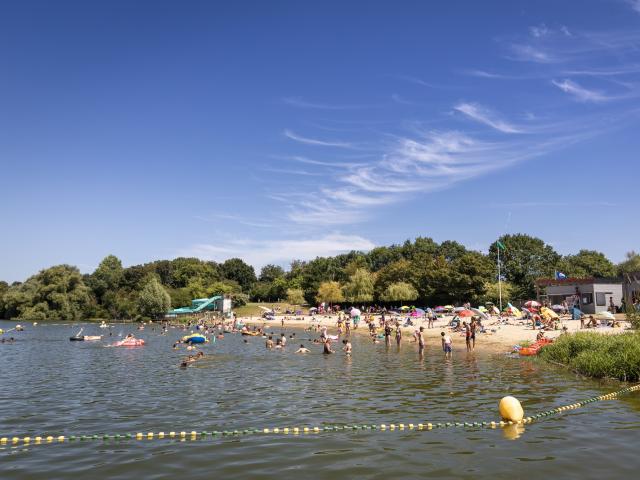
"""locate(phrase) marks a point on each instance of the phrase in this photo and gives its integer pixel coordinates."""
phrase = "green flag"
(501, 245)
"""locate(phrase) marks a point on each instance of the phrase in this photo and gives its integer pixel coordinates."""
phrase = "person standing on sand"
(446, 345)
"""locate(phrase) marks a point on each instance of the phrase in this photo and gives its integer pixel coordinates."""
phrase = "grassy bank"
(598, 355)
(254, 310)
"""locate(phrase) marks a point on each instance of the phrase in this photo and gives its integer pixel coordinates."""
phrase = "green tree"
(524, 260)
(269, 273)
(105, 282)
(492, 293)
(587, 263)
(469, 274)
(56, 293)
(399, 292)
(359, 288)
(451, 250)
(153, 301)
(631, 264)
(395, 272)
(329, 292)
(295, 296)
(238, 271)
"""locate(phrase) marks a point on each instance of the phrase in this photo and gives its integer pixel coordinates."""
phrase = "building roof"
(546, 282)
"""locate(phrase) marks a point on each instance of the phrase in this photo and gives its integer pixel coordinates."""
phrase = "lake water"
(51, 386)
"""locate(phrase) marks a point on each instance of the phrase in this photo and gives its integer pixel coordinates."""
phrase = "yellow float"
(510, 409)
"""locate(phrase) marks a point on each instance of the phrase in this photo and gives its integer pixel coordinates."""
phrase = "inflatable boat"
(534, 348)
(195, 338)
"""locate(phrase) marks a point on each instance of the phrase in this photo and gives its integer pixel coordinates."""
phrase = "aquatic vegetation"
(598, 355)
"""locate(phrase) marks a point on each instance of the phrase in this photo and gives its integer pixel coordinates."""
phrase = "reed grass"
(597, 355)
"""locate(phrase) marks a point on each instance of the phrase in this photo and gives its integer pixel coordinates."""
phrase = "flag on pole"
(501, 245)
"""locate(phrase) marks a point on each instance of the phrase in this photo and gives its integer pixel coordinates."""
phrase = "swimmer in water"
(327, 347)
(269, 343)
(347, 347)
(303, 349)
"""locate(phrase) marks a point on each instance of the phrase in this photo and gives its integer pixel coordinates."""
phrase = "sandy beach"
(500, 334)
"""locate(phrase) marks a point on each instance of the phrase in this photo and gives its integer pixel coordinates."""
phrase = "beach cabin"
(592, 295)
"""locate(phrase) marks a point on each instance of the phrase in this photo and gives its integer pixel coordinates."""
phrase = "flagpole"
(499, 279)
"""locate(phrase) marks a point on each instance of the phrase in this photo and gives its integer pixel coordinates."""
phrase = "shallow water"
(53, 386)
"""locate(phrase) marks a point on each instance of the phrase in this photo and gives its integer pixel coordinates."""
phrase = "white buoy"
(510, 409)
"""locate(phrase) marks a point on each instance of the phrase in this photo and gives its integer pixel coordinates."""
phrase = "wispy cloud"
(279, 251)
(539, 30)
(402, 101)
(322, 163)
(580, 93)
(529, 53)
(635, 5)
(316, 142)
(483, 115)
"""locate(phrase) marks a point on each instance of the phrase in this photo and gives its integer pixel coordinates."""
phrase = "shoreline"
(498, 337)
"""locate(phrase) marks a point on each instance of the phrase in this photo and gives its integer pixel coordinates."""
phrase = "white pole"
(499, 279)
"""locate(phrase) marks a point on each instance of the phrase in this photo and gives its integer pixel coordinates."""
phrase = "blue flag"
(560, 276)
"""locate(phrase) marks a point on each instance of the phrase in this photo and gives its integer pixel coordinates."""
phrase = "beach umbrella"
(557, 308)
(448, 307)
(404, 308)
(531, 304)
(482, 308)
(439, 309)
(465, 313)
(548, 314)
(418, 312)
(354, 312)
(480, 313)
(458, 309)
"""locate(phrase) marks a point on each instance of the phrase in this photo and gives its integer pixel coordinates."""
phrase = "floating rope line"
(306, 430)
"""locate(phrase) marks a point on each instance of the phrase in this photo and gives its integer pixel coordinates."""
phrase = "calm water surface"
(50, 385)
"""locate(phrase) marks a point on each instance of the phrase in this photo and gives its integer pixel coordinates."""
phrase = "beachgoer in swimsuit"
(467, 335)
(446, 344)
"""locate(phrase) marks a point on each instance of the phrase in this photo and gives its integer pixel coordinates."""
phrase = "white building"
(592, 295)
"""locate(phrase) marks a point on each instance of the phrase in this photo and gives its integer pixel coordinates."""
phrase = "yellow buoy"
(510, 409)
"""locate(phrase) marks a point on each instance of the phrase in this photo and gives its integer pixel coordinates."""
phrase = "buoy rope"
(194, 435)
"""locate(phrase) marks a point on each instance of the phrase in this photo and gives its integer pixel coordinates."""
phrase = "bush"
(597, 355)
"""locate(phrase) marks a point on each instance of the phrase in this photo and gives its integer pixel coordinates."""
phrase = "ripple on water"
(51, 385)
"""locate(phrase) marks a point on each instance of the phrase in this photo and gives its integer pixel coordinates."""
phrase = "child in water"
(347, 347)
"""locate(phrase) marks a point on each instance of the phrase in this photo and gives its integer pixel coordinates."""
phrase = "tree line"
(422, 272)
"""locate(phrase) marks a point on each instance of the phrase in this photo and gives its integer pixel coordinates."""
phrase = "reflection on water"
(53, 386)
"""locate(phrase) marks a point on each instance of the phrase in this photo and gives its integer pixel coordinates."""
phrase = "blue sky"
(281, 130)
